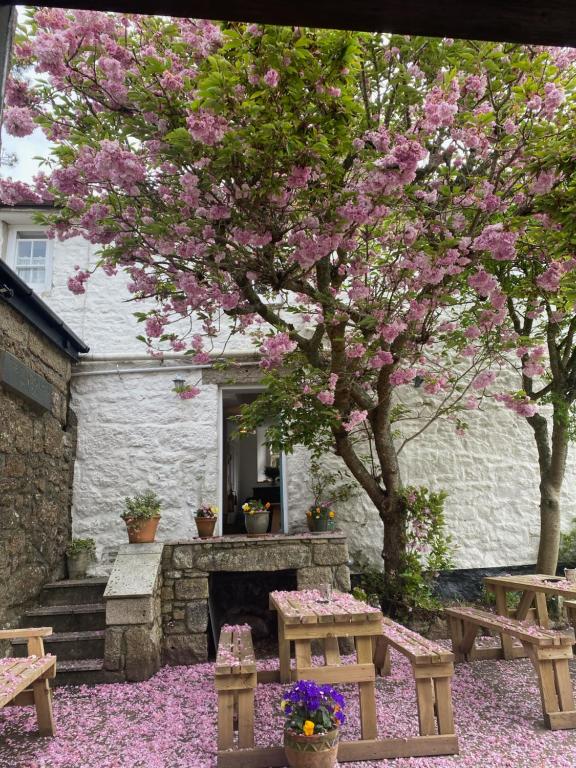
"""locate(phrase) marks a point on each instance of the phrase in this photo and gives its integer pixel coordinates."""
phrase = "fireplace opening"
(241, 597)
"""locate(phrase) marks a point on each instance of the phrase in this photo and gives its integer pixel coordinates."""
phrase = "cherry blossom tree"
(340, 199)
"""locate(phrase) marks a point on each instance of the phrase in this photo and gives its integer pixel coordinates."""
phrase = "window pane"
(23, 252)
(38, 250)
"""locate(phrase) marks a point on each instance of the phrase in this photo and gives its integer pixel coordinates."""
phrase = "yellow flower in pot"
(256, 517)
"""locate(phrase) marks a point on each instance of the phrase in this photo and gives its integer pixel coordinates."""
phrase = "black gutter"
(15, 293)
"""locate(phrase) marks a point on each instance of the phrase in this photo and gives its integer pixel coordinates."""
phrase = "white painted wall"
(134, 434)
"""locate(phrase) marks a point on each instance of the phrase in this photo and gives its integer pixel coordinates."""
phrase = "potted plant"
(320, 516)
(142, 516)
(333, 487)
(80, 553)
(313, 714)
(256, 516)
(206, 517)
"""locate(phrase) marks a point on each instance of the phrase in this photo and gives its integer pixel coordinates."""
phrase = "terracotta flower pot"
(257, 523)
(141, 531)
(205, 526)
(316, 751)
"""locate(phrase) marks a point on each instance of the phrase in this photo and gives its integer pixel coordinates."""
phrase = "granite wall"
(37, 449)
(187, 565)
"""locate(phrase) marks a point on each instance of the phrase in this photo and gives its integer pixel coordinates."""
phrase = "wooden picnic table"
(306, 616)
(534, 589)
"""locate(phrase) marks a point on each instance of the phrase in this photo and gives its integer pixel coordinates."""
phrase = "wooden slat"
(348, 751)
(28, 670)
(525, 604)
(348, 673)
(558, 721)
(331, 651)
(502, 609)
(419, 649)
(536, 583)
(512, 628)
(303, 653)
(43, 703)
(8, 634)
(542, 610)
(340, 629)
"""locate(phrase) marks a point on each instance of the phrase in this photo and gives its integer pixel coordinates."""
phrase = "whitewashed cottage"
(134, 433)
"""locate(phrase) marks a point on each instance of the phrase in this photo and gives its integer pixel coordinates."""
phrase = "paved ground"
(169, 722)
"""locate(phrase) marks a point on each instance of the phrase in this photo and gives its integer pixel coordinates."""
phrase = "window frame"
(11, 254)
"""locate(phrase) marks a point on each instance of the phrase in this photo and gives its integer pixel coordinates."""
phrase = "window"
(30, 257)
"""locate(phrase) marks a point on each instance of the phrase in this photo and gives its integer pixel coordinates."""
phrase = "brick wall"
(36, 463)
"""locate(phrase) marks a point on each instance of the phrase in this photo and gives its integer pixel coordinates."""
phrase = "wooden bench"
(549, 650)
(433, 667)
(24, 681)
(235, 673)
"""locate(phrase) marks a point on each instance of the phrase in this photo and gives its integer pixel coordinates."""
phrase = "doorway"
(250, 469)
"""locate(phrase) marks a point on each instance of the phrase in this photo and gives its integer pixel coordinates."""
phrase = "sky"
(25, 149)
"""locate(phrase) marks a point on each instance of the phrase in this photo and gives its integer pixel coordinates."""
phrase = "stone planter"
(141, 531)
(257, 523)
(316, 751)
(205, 526)
(78, 564)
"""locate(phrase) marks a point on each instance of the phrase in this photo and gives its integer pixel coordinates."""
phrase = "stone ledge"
(135, 571)
(241, 539)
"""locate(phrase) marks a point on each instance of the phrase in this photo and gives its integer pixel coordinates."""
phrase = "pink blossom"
(483, 380)
(518, 402)
(550, 279)
(355, 351)
(76, 282)
(18, 121)
(271, 78)
(326, 397)
(188, 393)
(275, 348)
(553, 98)
(543, 183)
(402, 376)
(392, 330)
(500, 243)
(482, 282)
(355, 418)
(206, 127)
(155, 326)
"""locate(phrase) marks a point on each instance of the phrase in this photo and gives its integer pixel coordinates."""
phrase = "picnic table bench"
(433, 668)
(24, 681)
(235, 673)
(548, 649)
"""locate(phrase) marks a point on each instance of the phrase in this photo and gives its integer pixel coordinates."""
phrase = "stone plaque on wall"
(23, 381)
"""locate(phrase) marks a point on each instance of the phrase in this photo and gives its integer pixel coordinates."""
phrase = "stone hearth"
(186, 567)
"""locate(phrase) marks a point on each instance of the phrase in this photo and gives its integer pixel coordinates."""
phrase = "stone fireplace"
(195, 574)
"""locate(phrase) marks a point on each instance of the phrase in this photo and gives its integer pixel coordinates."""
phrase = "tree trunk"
(552, 462)
(394, 536)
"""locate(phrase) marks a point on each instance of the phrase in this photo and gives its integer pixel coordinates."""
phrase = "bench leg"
(444, 710)
(381, 656)
(456, 629)
(555, 689)
(367, 691)
(502, 610)
(225, 719)
(425, 700)
(43, 703)
(283, 653)
(246, 718)
(331, 652)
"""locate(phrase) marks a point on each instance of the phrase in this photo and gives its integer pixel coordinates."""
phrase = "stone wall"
(317, 559)
(36, 467)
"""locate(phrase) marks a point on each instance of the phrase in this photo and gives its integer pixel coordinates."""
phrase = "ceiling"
(552, 22)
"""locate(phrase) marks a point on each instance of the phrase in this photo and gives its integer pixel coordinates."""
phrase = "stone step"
(74, 592)
(84, 672)
(68, 646)
(67, 618)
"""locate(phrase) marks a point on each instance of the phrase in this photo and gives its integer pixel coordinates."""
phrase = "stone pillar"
(133, 613)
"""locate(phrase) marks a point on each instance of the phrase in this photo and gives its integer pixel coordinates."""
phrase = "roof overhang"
(523, 21)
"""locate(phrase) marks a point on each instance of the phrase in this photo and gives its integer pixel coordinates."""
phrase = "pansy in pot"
(313, 715)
